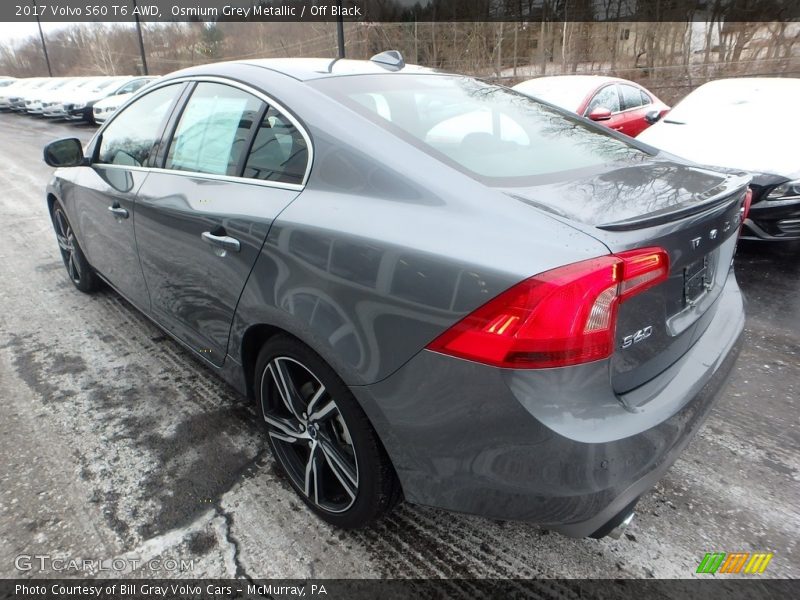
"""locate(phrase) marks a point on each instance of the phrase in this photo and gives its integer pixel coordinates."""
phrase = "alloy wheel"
(309, 434)
(66, 243)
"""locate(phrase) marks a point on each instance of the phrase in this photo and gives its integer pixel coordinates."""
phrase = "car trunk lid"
(691, 212)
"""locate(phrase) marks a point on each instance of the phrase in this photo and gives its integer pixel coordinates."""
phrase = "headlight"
(786, 191)
(79, 105)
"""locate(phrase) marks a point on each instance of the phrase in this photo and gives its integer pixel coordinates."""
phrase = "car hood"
(620, 196)
(755, 147)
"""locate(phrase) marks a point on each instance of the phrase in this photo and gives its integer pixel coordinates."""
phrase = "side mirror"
(66, 152)
(652, 116)
(600, 114)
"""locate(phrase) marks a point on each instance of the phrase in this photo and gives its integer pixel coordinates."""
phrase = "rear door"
(234, 162)
(634, 109)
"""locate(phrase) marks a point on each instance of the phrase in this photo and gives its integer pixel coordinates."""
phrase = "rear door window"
(631, 97)
(279, 152)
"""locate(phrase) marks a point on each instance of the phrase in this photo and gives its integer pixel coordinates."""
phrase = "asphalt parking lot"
(117, 444)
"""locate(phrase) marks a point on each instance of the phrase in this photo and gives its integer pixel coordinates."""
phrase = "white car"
(33, 103)
(53, 102)
(105, 108)
(746, 124)
(15, 89)
(81, 106)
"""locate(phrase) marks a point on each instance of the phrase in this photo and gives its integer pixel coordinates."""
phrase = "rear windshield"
(492, 133)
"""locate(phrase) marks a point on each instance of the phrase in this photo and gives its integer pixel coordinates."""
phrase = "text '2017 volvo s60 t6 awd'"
(432, 287)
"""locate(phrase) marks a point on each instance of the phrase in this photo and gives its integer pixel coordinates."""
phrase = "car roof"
(305, 69)
(566, 91)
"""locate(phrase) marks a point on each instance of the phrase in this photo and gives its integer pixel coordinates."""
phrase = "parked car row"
(72, 98)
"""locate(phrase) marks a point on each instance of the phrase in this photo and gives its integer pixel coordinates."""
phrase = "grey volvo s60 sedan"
(432, 287)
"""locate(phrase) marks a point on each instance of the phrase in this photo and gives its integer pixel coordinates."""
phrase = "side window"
(130, 137)
(645, 98)
(608, 98)
(631, 97)
(279, 151)
(213, 130)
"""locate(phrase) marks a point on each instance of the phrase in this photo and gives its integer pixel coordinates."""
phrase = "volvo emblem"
(696, 243)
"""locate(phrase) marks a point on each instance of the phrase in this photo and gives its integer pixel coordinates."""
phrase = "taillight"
(562, 317)
(748, 200)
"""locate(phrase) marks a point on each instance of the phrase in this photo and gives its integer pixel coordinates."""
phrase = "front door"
(106, 205)
(607, 97)
(232, 166)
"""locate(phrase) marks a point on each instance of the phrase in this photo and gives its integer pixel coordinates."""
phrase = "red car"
(616, 103)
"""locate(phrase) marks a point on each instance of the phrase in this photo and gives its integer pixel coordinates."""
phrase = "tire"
(330, 453)
(78, 268)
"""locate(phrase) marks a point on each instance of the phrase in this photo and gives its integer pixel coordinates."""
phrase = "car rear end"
(564, 398)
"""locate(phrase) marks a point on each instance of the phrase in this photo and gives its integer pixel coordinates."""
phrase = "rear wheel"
(320, 436)
(80, 272)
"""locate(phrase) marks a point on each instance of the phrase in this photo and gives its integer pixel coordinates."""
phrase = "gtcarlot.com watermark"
(27, 563)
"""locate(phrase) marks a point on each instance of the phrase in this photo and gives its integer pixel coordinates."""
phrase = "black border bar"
(532, 11)
(751, 588)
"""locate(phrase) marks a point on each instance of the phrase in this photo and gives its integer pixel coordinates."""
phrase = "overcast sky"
(14, 32)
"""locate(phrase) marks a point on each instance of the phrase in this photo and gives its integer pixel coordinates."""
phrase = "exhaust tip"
(617, 532)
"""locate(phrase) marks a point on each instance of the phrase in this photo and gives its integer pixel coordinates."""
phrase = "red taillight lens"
(748, 200)
(561, 317)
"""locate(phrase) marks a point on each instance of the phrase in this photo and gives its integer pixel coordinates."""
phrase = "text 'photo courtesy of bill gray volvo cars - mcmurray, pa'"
(434, 288)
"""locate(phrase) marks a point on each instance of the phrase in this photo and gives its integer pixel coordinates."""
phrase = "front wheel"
(80, 272)
(320, 436)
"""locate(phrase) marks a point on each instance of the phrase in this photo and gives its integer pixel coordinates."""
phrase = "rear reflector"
(562, 317)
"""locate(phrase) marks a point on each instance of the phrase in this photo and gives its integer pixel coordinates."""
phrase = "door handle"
(118, 211)
(221, 241)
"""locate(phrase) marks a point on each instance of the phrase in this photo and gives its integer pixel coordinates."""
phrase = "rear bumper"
(556, 446)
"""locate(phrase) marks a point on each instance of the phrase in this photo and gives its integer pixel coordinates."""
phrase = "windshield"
(491, 133)
(53, 85)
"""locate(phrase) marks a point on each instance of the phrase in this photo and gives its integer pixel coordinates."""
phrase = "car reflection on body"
(618, 104)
